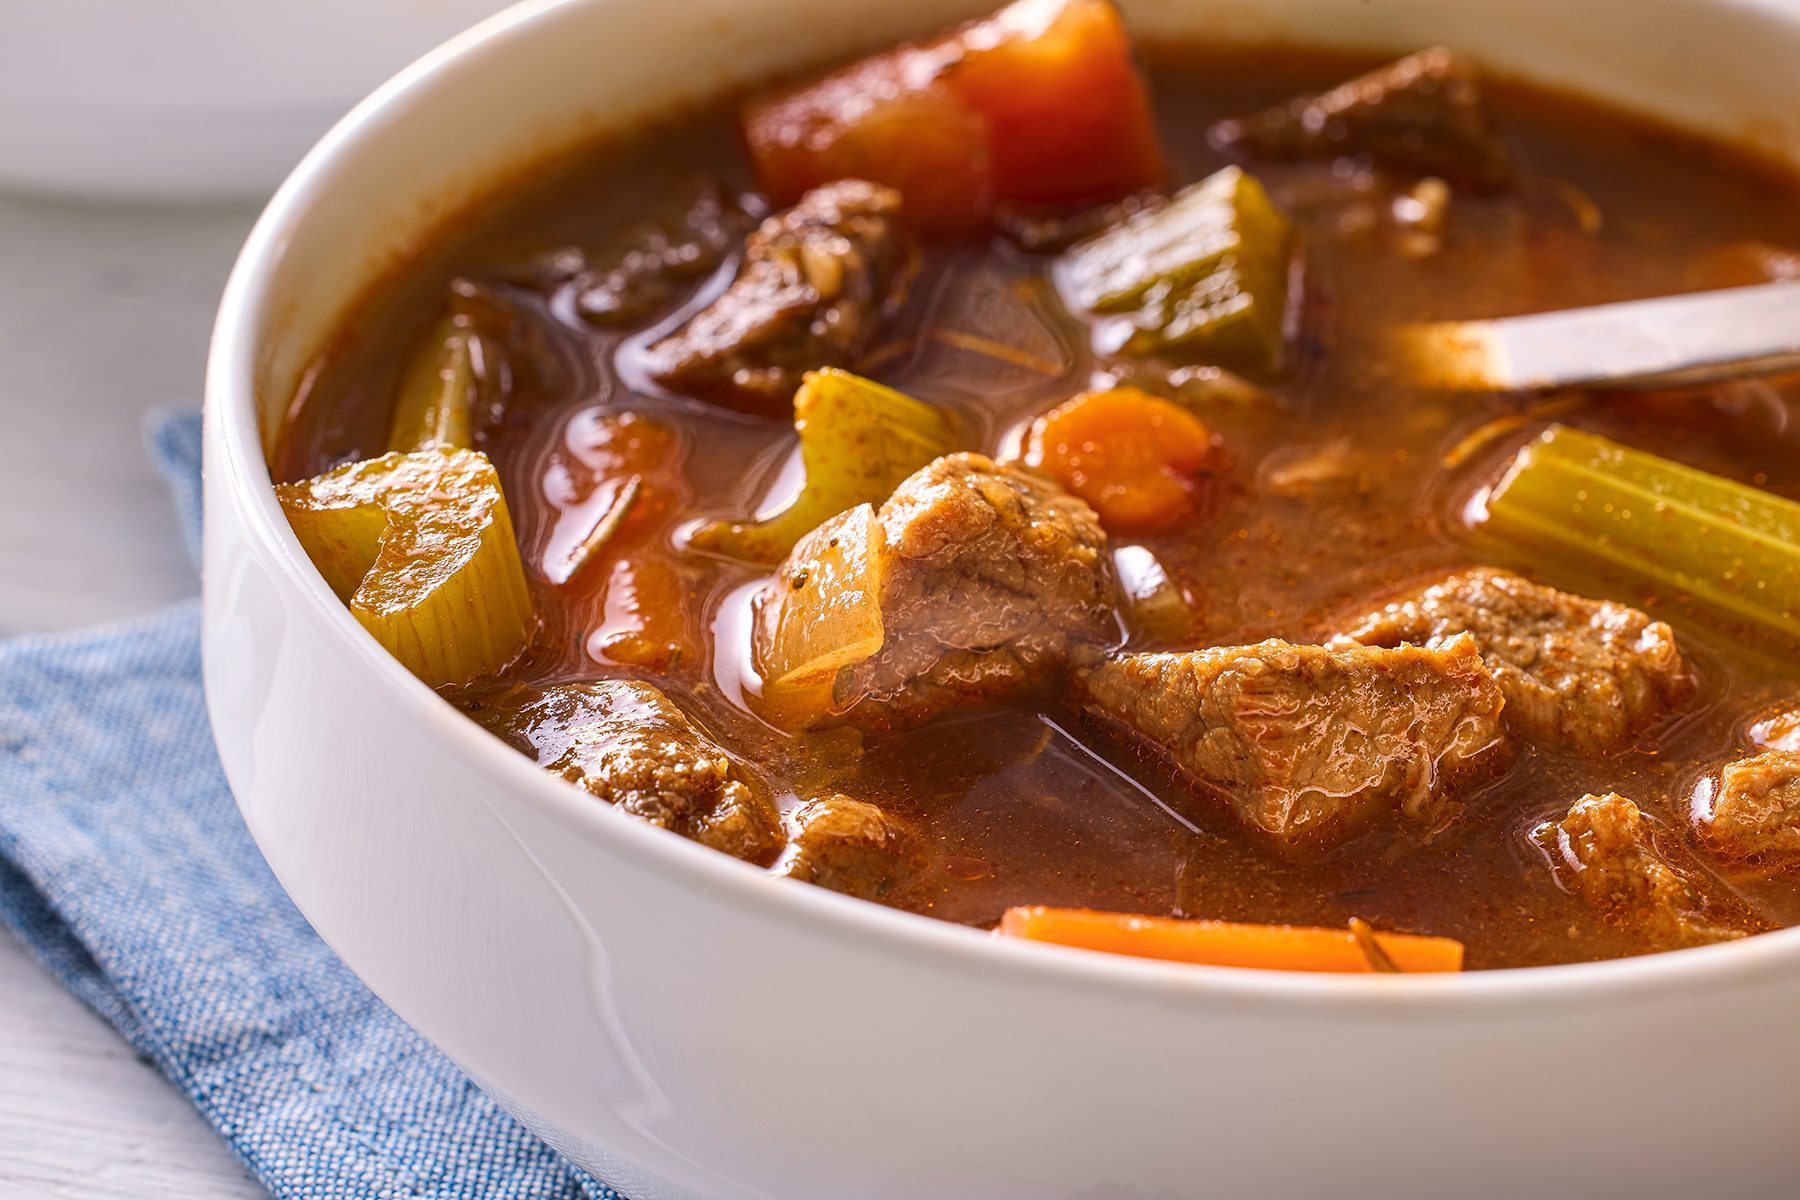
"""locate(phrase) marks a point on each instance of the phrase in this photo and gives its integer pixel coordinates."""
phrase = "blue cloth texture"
(127, 871)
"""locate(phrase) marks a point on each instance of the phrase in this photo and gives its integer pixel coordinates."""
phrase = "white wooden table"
(104, 315)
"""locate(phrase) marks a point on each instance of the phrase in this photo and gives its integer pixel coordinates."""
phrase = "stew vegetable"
(979, 480)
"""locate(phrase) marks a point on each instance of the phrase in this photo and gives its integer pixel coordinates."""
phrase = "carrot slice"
(1039, 104)
(1138, 460)
(1226, 944)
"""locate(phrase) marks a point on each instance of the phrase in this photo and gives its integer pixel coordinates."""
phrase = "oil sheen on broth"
(1318, 501)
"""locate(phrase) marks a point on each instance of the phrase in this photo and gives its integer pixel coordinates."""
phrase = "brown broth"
(1030, 807)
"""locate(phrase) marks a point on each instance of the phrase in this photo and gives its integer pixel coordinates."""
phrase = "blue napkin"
(126, 869)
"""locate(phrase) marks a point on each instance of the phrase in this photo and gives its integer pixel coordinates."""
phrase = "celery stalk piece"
(814, 620)
(1203, 276)
(858, 440)
(1731, 548)
(421, 547)
(437, 390)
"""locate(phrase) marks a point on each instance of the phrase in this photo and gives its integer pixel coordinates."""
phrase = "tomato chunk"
(1040, 104)
(646, 624)
(1139, 461)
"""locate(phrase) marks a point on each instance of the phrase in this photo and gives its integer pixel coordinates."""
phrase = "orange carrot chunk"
(1226, 944)
(1141, 462)
(1039, 104)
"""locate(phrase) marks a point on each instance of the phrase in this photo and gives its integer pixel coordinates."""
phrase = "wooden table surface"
(104, 316)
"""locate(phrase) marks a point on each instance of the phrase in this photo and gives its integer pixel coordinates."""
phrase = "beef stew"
(917, 488)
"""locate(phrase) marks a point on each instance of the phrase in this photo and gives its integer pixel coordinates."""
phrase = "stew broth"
(1337, 481)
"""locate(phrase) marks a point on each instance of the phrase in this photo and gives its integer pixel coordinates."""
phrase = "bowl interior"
(475, 118)
(471, 119)
(482, 112)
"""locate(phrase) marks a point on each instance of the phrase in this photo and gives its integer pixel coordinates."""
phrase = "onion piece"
(821, 615)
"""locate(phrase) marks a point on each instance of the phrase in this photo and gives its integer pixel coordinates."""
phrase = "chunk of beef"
(1578, 674)
(628, 744)
(1423, 114)
(985, 576)
(852, 846)
(658, 262)
(1603, 851)
(1307, 744)
(1754, 810)
(815, 282)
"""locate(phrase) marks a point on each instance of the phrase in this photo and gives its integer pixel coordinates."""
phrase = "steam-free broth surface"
(1335, 482)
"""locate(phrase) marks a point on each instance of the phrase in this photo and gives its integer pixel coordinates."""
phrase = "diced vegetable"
(858, 440)
(813, 623)
(1039, 104)
(646, 623)
(1225, 944)
(437, 391)
(421, 547)
(1156, 607)
(1584, 501)
(1139, 461)
(1204, 276)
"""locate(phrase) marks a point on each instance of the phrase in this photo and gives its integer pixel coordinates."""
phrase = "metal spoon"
(1669, 341)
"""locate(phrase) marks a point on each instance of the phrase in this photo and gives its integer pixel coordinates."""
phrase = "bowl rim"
(240, 469)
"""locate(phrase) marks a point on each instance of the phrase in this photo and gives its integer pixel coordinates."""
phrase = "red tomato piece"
(1039, 104)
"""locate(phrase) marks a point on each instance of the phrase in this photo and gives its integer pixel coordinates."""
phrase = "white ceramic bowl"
(688, 1027)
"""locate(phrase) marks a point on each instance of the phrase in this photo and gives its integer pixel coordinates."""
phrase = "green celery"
(858, 440)
(1203, 276)
(437, 391)
(421, 547)
(1731, 548)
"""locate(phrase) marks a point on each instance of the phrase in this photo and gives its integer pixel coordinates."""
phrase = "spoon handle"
(1672, 340)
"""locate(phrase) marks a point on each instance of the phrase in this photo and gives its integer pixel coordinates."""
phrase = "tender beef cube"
(853, 847)
(660, 261)
(1604, 852)
(1578, 674)
(1778, 730)
(1307, 744)
(1424, 114)
(1755, 808)
(628, 744)
(815, 282)
(987, 577)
